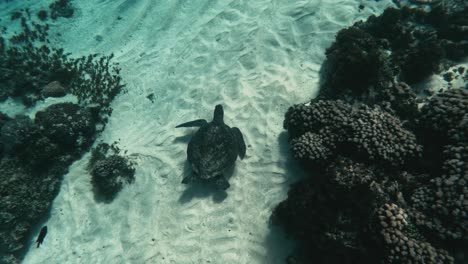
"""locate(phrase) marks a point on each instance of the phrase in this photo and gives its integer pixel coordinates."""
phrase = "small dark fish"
(41, 236)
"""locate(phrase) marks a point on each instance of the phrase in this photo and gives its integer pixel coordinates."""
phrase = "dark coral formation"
(400, 245)
(67, 125)
(387, 177)
(110, 174)
(446, 116)
(25, 196)
(350, 175)
(321, 129)
(346, 145)
(357, 61)
(313, 147)
(400, 100)
(302, 118)
(61, 8)
(28, 64)
(406, 45)
(440, 205)
(382, 137)
(22, 138)
(331, 213)
(312, 215)
(42, 15)
(35, 156)
(110, 171)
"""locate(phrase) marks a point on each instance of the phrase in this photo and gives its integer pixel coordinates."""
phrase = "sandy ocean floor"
(256, 58)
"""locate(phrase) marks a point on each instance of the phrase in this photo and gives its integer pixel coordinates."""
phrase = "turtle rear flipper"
(194, 123)
(240, 142)
(221, 182)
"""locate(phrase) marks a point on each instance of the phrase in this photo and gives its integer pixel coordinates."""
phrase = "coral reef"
(35, 154)
(400, 100)
(23, 139)
(400, 245)
(359, 157)
(322, 129)
(110, 171)
(67, 125)
(32, 166)
(42, 15)
(108, 175)
(406, 45)
(331, 212)
(446, 116)
(388, 168)
(25, 198)
(28, 65)
(312, 147)
(61, 8)
(343, 214)
(440, 206)
(356, 61)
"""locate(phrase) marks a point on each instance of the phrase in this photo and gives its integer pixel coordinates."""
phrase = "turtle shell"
(211, 150)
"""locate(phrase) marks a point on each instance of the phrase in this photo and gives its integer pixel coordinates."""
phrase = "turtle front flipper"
(194, 123)
(240, 142)
(221, 182)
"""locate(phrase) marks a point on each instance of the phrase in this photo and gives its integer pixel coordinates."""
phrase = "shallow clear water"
(256, 58)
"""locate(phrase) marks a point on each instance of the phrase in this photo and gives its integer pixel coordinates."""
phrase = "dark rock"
(54, 89)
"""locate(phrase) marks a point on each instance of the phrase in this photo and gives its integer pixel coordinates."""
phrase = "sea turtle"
(213, 148)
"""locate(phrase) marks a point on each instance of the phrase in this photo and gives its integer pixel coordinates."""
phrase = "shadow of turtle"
(204, 188)
(183, 139)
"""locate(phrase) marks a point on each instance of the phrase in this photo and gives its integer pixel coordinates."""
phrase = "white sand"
(256, 58)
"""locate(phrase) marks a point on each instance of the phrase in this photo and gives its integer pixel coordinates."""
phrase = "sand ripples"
(254, 57)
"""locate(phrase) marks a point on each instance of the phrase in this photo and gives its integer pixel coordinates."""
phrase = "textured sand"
(256, 58)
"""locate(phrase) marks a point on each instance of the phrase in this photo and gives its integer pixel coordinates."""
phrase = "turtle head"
(218, 115)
